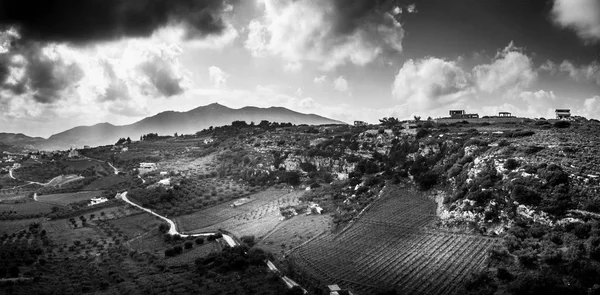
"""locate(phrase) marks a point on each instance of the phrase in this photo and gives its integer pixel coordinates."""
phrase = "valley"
(441, 209)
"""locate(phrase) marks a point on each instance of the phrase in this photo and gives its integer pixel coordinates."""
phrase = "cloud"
(590, 72)
(307, 103)
(320, 79)
(412, 8)
(582, 16)
(538, 104)
(591, 108)
(330, 32)
(340, 84)
(510, 70)
(293, 66)
(217, 76)
(549, 66)
(430, 82)
(82, 22)
(62, 81)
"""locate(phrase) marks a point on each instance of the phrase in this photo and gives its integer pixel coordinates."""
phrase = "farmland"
(394, 246)
(262, 206)
(65, 199)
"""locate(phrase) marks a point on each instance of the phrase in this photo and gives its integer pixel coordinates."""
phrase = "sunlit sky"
(70, 62)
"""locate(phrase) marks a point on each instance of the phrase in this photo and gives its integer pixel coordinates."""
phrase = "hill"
(170, 122)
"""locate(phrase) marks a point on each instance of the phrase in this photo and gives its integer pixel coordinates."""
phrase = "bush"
(422, 132)
(562, 124)
(199, 241)
(426, 180)
(188, 245)
(511, 164)
(524, 195)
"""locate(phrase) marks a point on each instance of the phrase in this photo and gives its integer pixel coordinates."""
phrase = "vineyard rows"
(392, 247)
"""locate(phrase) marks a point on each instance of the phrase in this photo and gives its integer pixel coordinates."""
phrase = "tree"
(389, 122)
(417, 118)
(175, 135)
(163, 228)
(188, 245)
(199, 241)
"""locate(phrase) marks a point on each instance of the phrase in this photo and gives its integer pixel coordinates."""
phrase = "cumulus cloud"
(105, 78)
(510, 70)
(293, 66)
(582, 16)
(538, 104)
(430, 82)
(590, 72)
(549, 66)
(331, 32)
(217, 76)
(320, 79)
(340, 84)
(591, 108)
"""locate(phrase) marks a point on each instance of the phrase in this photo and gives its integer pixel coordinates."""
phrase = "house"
(505, 115)
(360, 123)
(336, 290)
(461, 114)
(125, 149)
(86, 147)
(96, 201)
(164, 173)
(73, 154)
(149, 166)
(563, 114)
(208, 140)
(165, 182)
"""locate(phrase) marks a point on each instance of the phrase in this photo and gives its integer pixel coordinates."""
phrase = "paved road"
(173, 227)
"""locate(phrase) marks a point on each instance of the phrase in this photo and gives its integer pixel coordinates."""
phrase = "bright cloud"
(430, 83)
(340, 84)
(583, 16)
(511, 70)
(217, 76)
(320, 79)
(323, 32)
(590, 72)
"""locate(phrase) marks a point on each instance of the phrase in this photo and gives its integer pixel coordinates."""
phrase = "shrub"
(426, 180)
(422, 132)
(524, 195)
(188, 245)
(562, 124)
(511, 164)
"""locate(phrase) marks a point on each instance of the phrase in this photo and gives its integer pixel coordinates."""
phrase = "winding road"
(173, 227)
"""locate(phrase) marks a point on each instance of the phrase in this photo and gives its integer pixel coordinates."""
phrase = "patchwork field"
(291, 233)
(11, 226)
(392, 246)
(260, 211)
(68, 198)
(27, 208)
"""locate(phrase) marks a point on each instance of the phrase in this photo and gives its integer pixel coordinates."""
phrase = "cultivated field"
(27, 208)
(393, 246)
(262, 204)
(68, 198)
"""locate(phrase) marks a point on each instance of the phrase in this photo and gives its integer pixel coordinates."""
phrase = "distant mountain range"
(165, 123)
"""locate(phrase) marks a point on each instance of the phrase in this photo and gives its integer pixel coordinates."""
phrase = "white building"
(96, 201)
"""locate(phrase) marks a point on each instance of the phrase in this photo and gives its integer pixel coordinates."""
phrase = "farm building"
(563, 114)
(73, 154)
(461, 114)
(151, 166)
(125, 149)
(164, 173)
(360, 123)
(96, 201)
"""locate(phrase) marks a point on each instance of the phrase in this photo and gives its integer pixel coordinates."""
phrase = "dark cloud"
(351, 15)
(46, 78)
(84, 21)
(161, 75)
(117, 89)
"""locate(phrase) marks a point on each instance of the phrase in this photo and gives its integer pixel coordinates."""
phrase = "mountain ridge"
(165, 123)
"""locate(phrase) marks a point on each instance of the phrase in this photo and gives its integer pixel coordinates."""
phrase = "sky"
(65, 63)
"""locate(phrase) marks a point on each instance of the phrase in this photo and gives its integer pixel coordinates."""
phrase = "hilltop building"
(461, 114)
(563, 114)
(360, 123)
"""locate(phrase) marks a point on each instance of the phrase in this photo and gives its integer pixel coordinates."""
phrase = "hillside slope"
(170, 122)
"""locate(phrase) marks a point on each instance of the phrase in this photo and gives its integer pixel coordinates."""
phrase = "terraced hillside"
(393, 245)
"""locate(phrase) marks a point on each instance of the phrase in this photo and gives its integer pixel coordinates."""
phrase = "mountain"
(20, 140)
(169, 122)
